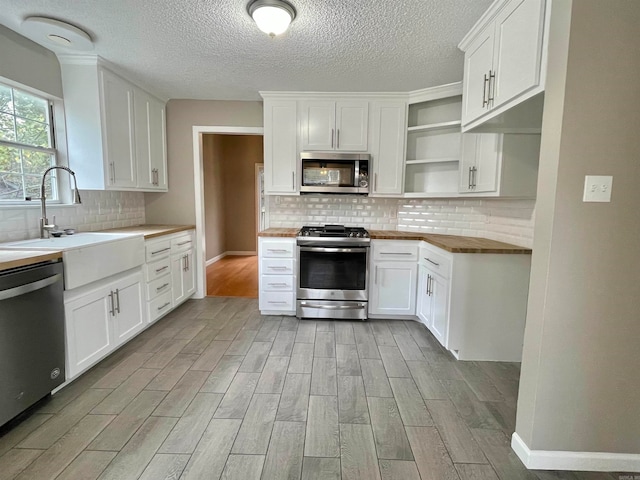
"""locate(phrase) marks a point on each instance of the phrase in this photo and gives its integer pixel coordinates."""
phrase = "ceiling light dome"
(272, 16)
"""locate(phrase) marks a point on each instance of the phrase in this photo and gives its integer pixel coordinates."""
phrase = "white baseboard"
(225, 254)
(578, 461)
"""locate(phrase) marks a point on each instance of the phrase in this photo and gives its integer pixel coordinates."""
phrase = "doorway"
(231, 208)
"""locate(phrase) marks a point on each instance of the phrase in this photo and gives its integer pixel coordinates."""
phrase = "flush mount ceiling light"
(55, 34)
(272, 16)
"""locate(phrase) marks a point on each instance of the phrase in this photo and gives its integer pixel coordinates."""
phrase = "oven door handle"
(332, 307)
(333, 249)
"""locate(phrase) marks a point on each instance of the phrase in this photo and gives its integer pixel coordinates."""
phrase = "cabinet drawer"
(435, 261)
(158, 287)
(157, 249)
(159, 306)
(157, 269)
(277, 301)
(182, 242)
(396, 251)
(278, 249)
(277, 283)
(278, 266)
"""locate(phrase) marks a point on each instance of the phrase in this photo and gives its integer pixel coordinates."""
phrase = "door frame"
(198, 186)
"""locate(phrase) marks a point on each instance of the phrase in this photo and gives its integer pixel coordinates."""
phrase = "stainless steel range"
(333, 267)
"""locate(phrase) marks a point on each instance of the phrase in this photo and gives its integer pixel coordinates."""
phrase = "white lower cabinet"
(182, 276)
(101, 317)
(395, 273)
(434, 288)
(277, 275)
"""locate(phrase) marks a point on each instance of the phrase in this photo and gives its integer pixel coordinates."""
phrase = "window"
(27, 145)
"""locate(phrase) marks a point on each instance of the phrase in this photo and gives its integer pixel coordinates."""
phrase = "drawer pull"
(396, 253)
(277, 250)
(158, 270)
(431, 261)
(278, 268)
(160, 251)
(162, 287)
(282, 284)
(184, 243)
(162, 307)
(277, 303)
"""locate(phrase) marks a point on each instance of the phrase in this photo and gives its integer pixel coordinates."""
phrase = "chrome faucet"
(45, 227)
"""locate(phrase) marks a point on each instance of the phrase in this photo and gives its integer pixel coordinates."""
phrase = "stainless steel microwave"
(332, 172)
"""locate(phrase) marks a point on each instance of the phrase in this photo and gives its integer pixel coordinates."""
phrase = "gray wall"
(178, 204)
(26, 62)
(580, 384)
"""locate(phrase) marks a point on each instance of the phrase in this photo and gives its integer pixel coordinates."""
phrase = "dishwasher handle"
(29, 287)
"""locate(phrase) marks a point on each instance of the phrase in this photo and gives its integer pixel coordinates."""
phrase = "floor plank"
(255, 432)
(496, 446)
(235, 402)
(284, 457)
(314, 468)
(398, 470)
(352, 400)
(294, 400)
(393, 362)
(348, 362)
(376, 382)
(323, 377)
(243, 467)
(412, 408)
(88, 465)
(222, 375)
(301, 358)
(179, 398)
(273, 375)
(233, 276)
(255, 358)
(432, 458)
(388, 431)
(165, 467)
(358, 453)
(325, 345)
(323, 434)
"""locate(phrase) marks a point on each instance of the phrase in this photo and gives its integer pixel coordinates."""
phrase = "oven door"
(332, 273)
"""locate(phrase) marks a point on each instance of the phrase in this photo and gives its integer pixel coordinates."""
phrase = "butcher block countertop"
(152, 231)
(21, 258)
(450, 243)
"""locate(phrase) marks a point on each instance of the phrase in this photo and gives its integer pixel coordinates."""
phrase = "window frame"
(58, 150)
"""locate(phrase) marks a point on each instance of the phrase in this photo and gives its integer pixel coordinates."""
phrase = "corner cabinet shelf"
(434, 143)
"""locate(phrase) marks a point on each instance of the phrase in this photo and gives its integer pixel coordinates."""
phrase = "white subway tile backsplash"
(498, 219)
(98, 211)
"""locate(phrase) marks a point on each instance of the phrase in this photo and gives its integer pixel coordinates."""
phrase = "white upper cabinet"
(115, 131)
(504, 61)
(388, 138)
(334, 125)
(280, 146)
(499, 164)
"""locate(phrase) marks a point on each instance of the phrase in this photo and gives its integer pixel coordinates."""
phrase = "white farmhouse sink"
(89, 257)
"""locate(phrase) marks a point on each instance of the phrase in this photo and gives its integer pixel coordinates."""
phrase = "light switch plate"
(597, 188)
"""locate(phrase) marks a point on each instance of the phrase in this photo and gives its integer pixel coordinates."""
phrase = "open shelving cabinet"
(434, 143)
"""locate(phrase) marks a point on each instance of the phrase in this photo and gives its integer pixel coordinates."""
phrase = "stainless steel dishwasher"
(32, 352)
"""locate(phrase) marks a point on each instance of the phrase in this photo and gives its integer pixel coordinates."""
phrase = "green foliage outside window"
(26, 145)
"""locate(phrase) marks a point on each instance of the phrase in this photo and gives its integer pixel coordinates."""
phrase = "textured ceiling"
(211, 49)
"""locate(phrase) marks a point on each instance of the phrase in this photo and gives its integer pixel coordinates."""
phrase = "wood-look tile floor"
(214, 390)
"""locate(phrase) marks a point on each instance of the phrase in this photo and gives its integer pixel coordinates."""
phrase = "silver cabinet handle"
(277, 268)
(188, 263)
(117, 297)
(396, 253)
(112, 167)
(277, 250)
(162, 287)
(332, 134)
(430, 285)
(485, 102)
(160, 251)
(293, 180)
(184, 243)
(428, 281)
(375, 182)
(184, 263)
(492, 88)
(375, 280)
(282, 284)
(164, 306)
(338, 138)
(474, 171)
(431, 261)
(470, 169)
(158, 270)
(30, 287)
(112, 311)
(277, 303)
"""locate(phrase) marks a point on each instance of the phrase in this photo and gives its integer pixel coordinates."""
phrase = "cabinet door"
(478, 61)
(487, 163)
(280, 146)
(387, 149)
(318, 125)
(189, 281)
(468, 154)
(423, 305)
(352, 120)
(178, 264)
(119, 149)
(439, 308)
(518, 49)
(151, 155)
(88, 330)
(130, 316)
(394, 288)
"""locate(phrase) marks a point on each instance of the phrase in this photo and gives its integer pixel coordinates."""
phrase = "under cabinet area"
(116, 132)
(504, 63)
